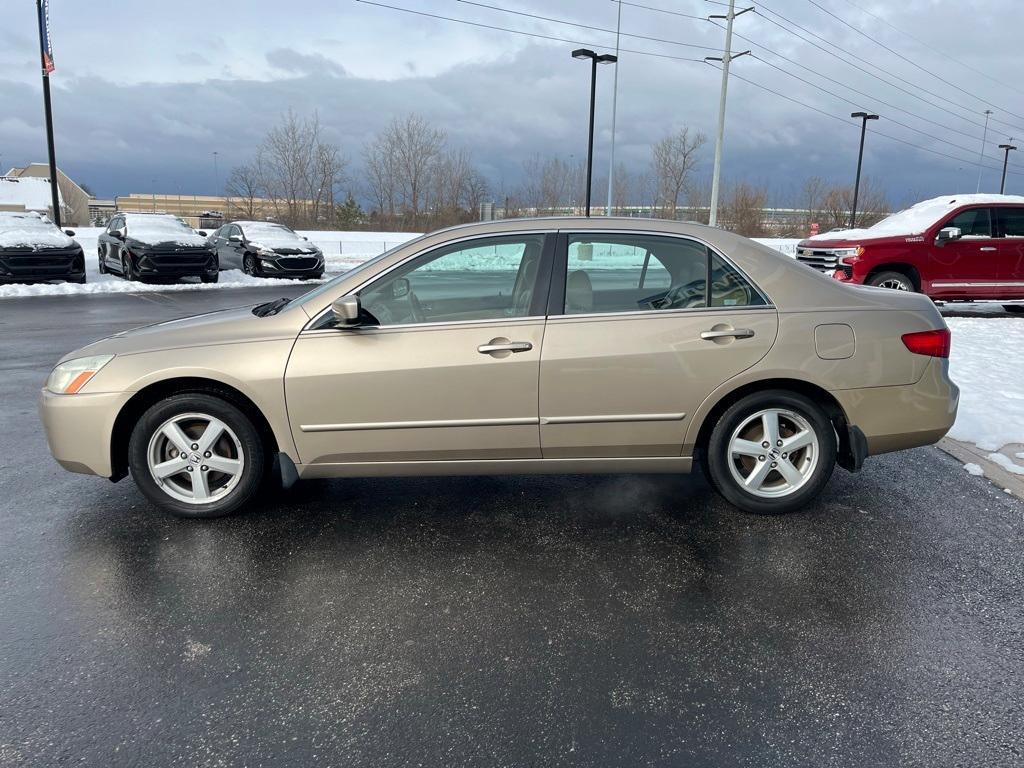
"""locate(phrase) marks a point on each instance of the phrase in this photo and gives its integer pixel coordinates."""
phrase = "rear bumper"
(79, 428)
(895, 418)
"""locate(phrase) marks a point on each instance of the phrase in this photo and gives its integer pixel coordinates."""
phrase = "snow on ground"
(985, 365)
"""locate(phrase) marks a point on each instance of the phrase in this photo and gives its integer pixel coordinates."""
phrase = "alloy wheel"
(894, 284)
(195, 458)
(773, 453)
(249, 265)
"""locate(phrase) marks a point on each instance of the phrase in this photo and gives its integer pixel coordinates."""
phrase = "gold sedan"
(521, 346)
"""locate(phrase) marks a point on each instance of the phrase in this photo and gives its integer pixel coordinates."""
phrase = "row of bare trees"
(412, 179)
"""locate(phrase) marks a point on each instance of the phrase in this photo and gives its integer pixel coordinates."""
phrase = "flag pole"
(46, 60)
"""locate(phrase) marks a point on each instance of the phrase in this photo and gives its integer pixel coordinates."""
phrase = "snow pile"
(160, 228)
(32, 193)
(30, 230)
(266, 235)
(917, 218)
(974, 469)
(985, 365)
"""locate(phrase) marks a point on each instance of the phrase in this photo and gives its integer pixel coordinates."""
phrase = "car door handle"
(987, 248)
(735, 333)
(508, 346)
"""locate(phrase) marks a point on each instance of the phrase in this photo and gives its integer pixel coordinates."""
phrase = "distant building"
(27, 194)
(200, 211)
(74, 199)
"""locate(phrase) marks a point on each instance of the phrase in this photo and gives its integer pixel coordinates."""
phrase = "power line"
(945, 54)
(587, 26)
(844, 120)
(833, 54)
(665, 10)
(522, 32)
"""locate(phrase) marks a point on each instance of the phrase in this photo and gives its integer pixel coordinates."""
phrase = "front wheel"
(196, 455)
(210, 278)
(896, 281)
(249, 265)
(771, 452)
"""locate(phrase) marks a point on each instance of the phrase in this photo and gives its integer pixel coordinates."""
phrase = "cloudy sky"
(145, 92)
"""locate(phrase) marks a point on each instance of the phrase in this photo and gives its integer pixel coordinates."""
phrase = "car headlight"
(847, 255)
(69, 377)
(266, 253)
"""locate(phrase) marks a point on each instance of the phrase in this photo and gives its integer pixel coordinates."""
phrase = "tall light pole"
(1006, 159)
(615, 105)
(864, 117)
(981, 155)
(726, 59)
(46, 56)
(595, 59)
(216, 173)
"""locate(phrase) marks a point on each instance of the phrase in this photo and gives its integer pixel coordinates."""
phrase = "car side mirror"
(120, 234)
(346, 310)
(202, 233)
(69, 232)
(235, 239)
(946, 234)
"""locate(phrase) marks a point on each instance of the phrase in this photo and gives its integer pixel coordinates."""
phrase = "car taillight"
(931, 343)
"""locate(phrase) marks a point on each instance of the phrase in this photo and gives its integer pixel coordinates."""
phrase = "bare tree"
(812, 199)
(672, 160)
(414, 146)
(243, 191)
(872, 205)
(743, 209)
(381, 178)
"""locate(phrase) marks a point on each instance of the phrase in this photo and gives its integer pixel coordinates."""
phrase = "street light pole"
(45, 52)
(864, 116)
(615, 106)
(595, 59)
(1006, 159)
(981, 155)
(726, 59)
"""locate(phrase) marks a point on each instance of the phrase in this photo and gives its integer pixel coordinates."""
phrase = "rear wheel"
(771, 452)
(196, 455)
(893, 280)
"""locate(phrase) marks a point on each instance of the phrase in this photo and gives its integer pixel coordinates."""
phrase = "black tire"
(249, 265)
(892, 279)
(208, 278)
(80, 280)
(102, 264)
(719, 453)
(128, 271)
(249, 447)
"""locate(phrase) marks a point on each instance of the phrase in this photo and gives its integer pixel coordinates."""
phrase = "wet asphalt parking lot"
(604, 620)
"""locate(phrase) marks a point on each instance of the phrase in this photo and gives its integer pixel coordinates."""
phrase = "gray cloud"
(297, 63)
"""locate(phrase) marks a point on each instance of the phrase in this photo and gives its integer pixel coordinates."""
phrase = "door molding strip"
(612, 418)
(440, 423)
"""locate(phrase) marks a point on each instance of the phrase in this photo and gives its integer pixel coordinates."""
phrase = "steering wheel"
(679, 297)
(416, 309)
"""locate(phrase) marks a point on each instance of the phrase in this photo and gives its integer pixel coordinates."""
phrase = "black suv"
(33, 250)
(155, 246)
(265, 249)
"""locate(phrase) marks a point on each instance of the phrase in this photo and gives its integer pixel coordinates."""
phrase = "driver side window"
(484, 279)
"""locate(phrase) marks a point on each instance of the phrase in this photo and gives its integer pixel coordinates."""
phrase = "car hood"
(854, 237)
(226, 326)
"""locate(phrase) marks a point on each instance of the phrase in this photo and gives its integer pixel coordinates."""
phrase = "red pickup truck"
(953, 248)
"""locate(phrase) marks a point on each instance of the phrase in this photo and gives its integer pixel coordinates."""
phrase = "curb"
(967, 453)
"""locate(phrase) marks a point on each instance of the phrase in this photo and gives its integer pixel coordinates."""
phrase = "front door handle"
(987, 248)
(732, 333)
(503, 345)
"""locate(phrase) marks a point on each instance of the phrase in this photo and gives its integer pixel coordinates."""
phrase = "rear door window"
(1011, 222)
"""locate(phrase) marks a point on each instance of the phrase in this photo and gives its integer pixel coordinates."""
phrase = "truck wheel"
(772, 452)
(896, 281)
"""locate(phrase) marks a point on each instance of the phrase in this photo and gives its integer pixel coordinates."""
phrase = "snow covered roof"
(30, 230)
(156, 228)
(29, 192)
(919, 217)
(271, 235)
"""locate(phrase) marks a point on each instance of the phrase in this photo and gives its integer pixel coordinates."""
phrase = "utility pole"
(46, 57)
(981, 155)
(615, 104)
(864, 116)
(216, 173)
(595, 59)
(726, 59)
(1006, 159)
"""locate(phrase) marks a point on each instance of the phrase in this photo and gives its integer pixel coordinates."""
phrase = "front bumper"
(176, 264)
(910, 416)
(79, 428)
(41, 266)
(291, 266)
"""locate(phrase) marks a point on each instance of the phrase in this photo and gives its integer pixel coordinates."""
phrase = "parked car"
(953, 248)
(155, 246)
(33, 250)
(518, 346)
(265, 249)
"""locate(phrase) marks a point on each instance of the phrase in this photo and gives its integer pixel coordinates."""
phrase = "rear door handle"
(987, 248)
(735, 333)
(508, 346)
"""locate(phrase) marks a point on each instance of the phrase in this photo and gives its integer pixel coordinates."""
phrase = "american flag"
(45, 44)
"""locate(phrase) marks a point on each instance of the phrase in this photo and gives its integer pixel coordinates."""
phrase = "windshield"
(266, 232)
(169, 225)
(330, 284)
